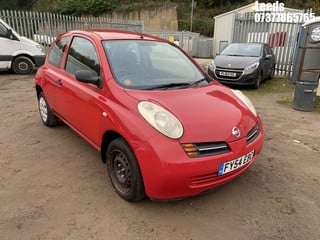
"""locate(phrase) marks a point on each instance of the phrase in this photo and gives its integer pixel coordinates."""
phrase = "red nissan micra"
(164, 128)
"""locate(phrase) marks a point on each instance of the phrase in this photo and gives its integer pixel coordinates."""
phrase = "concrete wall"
(155, 19)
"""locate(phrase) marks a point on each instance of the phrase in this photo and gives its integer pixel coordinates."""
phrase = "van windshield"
(142, 64)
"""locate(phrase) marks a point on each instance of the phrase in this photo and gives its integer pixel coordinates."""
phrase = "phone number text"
(283, 17)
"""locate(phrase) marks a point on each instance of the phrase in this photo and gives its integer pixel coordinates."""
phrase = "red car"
(164, 128)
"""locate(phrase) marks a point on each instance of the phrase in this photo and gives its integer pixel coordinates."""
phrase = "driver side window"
(82, 55)
(3, 31)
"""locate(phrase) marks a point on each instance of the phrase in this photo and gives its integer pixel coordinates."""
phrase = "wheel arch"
(38, 90)
(107, 138)
(24, 55)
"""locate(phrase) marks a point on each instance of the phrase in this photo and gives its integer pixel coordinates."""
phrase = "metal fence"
(191, 42)
(281, 36)
(43, 27)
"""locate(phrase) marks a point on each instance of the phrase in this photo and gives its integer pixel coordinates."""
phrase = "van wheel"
(22, 65)
(47, 117)
(124, 171)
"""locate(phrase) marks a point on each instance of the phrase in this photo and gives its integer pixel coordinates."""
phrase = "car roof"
(111, 34)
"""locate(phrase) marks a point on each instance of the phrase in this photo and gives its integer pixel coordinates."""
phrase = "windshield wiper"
(167, 85)
(196, 83)
(176, 85)
(235, 55)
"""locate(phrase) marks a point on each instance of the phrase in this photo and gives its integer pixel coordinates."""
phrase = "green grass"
(279, 85)
(317, 106)
(288, 100)
(275, 85)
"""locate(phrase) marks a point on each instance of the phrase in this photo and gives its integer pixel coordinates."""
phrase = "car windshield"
(142, 64)
(249, 50)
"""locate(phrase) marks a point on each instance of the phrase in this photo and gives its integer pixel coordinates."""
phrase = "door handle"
(58, 82)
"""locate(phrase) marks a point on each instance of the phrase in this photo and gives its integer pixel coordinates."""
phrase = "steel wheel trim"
(23, 66)
(121, 172)
(43, 109)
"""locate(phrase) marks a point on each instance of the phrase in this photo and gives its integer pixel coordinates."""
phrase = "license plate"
(235, 164)
(227, 74)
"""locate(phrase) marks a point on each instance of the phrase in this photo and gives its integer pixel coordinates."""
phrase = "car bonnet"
(238, 62)
(207, 113)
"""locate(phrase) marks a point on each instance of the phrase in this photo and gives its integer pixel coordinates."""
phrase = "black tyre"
(124, 171)
(272, 73)
(22, 65)
(47, 117)
(258, 81)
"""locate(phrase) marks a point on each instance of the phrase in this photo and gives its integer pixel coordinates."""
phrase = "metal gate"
(191, 42)
(281, 36)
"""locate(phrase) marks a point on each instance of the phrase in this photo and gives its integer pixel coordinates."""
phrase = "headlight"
(40, 48)
(212, 66)
(161, 119)
(245, 100)
(251, 68)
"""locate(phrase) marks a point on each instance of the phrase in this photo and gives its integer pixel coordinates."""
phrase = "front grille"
(229, 74)
(253, 134)
(205, 149)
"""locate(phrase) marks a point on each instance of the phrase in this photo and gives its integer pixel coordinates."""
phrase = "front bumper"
(39, 60)
(244, 79)
(168, 173)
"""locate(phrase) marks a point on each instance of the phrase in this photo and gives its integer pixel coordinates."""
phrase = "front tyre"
(47, 117)
(22, 65)
(258, 81)
(272, 73)
(124, 171)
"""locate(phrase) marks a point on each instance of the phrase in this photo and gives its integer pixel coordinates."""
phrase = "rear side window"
(56, 53)
(82, 55)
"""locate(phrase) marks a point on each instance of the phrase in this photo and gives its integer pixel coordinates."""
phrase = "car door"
(80, 101)
(54, 73)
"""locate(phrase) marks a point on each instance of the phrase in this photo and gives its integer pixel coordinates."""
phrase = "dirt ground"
(54, 186)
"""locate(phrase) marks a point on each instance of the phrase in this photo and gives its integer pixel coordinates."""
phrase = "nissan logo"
(236, 132)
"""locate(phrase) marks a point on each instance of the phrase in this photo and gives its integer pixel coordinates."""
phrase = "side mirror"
(9, 33)
(87, 76)
(268, 57)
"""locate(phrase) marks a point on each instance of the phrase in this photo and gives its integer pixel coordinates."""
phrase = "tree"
(16, 4)
(76, 7)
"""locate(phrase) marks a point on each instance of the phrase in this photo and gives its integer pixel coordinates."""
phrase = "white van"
(18, 53)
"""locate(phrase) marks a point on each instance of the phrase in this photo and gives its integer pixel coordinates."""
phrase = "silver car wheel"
(43, 109)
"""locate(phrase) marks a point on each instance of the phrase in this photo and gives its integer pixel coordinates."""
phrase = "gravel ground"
(54, 186)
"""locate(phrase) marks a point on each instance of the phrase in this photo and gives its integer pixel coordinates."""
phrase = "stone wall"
(155, 19)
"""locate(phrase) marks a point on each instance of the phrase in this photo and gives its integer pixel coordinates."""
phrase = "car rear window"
(56, 53)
